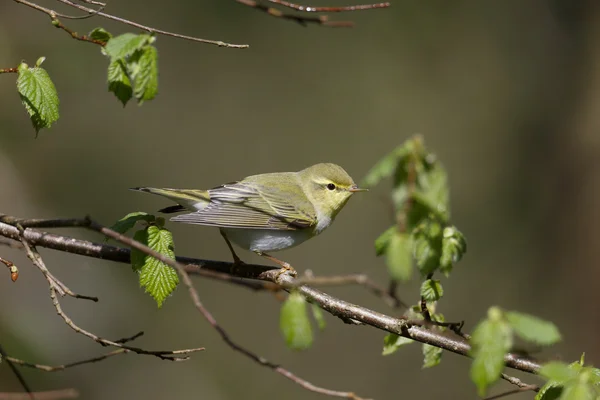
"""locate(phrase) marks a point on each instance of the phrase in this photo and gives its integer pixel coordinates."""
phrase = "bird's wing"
(248, 205)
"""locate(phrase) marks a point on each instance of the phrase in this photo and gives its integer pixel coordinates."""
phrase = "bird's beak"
(354, 189)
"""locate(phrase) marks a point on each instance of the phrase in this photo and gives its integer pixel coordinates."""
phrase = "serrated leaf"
(432, 183)
(158, 279)
(294, 323)
(100, 34)
(381, 243)
(491, 340)
(145, 78)
(392, 342)
(533, 329)
(431, 290)
(454, 246)
(432, 356)
(127, 222)
(550, 391)
(119, 82)
(577, 390)
(557, 371)
(427, 246)
(124, 45)
(399, 256)
(38, 95)
(386, 167)
(317, 313)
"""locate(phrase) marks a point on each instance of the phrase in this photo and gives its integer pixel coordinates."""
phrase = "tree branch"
(18, 374)
(337, 307)
(53, 15)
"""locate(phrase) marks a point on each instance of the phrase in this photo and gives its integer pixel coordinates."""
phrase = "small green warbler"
(266, 212)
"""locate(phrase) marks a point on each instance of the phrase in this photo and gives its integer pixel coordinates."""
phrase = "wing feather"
(243, 205)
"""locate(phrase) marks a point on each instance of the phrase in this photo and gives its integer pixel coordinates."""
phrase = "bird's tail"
(187, 199)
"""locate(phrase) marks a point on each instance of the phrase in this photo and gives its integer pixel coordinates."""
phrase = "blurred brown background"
(505, 92)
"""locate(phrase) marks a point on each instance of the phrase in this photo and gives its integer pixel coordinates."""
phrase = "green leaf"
(432, 183)
(38, 95)
(431, 290)
(145, 77)
(392, 342)
(317, 313)
(432, 356)
(399, 257)
(119, 82)
(386, 167)
(127, 222)
(533, 329)
(557, 371)
(158, 279)
(427, 246)
(382, 242)
(100, 34)
(294, 322)
(491, 340)
(550, 391)
(124, 45)
(577, 390)
(454, 246)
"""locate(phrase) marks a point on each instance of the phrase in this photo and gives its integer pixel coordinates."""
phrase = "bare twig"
(303, 20)
(522, 387)
(9, 70)
(54, 368)
(336, 307)
(75, 35)
(12, 268)
(171, 355)
(18, 374)
(299, 7)
(53, 14)
(46, 395)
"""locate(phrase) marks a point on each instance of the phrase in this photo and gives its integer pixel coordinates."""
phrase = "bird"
(268, 212)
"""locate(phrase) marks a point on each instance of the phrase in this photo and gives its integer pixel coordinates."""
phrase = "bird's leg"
(285, 267)
(236, 259)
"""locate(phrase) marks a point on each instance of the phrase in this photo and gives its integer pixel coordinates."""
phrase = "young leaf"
(432, 356)
(294, 322)
(491, 340)
(119, 82)
(317, 313)
(533, 329)
(557, 371)
(550, 391)
(433, 189)
(386, 167)
(427, 246)
(119, 47)
(399, 257)
(454, 246)
(128, 221)
(431, 290)
(100, 34)
(577, 390)
(392, 342)
(38, 95)
(158, 279)
(382, 242)
(146, 77)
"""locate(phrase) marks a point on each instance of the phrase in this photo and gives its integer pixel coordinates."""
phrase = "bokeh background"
(507, 93)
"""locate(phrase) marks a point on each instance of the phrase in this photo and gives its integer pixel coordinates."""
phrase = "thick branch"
(337, 307)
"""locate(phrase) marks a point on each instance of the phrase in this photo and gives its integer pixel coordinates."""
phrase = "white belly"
(266, 240)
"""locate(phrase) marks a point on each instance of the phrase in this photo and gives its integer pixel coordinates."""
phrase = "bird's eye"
(330, 186)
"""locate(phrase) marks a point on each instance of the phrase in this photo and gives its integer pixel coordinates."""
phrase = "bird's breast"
(267, 240)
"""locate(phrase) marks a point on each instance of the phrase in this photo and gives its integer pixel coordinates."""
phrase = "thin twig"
(299, 7)
(334, 306)
(75, 35)
(45, 395)
(18, 374)
(303, 20)
(9, 70)
(54, 368)
(522, 387)
(54, 14)
(171, 355)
